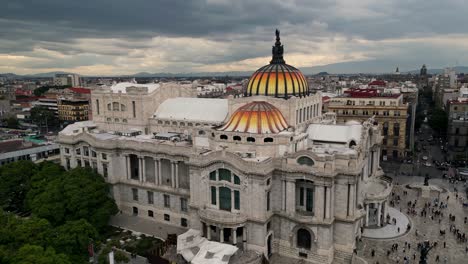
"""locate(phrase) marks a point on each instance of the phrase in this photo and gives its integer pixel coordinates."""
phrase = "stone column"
(232, 199)
(217, 197)
(352, 196)
(367, 215)
(156, 174)
(221, 235)
(379, 210)
(159, 172)
(328, 202)
(244, 238)
(234, 237)
(127, 164)
(290, 197)
(208, 232)
(283, 195)
(176, 173)
(143, 170)
(140, 170)
(318, 200)
(172, 174)
(384, 212)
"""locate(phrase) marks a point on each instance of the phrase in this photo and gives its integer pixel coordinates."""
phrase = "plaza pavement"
(428, 229)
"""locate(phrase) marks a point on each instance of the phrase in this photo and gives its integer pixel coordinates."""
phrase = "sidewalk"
(389, 230)
(144, 226)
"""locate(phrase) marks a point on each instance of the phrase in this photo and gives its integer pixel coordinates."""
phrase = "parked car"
(424, 157)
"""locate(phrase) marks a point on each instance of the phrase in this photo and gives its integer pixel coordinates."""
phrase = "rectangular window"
(268, 201)
(183, 222)
(78, 151)
(150, 213)
(183, 204)
(104, 170)
(78, 162)
(95, 167)
(167, 201)
(395, 142)
(97, 106)
(309, 200)
(301, 196)
(68, 164)
(236, 200)
(167, 217)
(150, 197)
(104, 156)
(93, 154)
(85, 151)
(67, 150)
(134, 109)
(213, 195)
(135, 194)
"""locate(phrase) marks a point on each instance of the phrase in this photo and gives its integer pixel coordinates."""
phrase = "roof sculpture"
(277, 78)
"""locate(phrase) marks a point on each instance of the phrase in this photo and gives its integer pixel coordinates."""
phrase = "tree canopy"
(68, 209)
(439, 120)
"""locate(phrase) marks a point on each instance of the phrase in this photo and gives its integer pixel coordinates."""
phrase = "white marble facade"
(301, 192)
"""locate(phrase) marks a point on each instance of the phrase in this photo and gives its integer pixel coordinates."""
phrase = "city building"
(73, 104)
(388, 109)
(72, 110)
(67, 80)
(265, 172)
(19, 149)
(457, 131)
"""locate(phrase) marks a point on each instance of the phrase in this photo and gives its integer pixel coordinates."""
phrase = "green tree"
(73, 237)
(32, 254)
(439, 120)
(34, 230)
(11, 122)
(15, 183)
(42, 116)
(75, 194)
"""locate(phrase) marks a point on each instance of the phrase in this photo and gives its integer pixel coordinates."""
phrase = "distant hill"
(354, 67)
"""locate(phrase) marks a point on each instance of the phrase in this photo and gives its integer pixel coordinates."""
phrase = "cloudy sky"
(111, 37)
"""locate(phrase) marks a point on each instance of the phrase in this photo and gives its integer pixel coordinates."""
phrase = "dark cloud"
(242, 29)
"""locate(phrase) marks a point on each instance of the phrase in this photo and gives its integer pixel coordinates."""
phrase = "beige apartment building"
(387, 109)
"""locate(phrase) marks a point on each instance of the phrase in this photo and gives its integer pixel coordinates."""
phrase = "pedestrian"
(373, 253)
(437, 258)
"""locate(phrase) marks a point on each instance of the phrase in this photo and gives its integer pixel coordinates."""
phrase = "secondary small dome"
(277, 78)
(256, 117)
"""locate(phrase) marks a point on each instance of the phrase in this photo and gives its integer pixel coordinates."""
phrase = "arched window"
(224, 175)
(116, 120)
(352, 143)
(268, 139)
(201, 132)
(182, 124)
(223, 137)
(237, 138)
(236, 180)
(122, 107)
(250, 139)
(305, 161)
(304, 239)
(174, 123)
(115, 106)
(124, 120)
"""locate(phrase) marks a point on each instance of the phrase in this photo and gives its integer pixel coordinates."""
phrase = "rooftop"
(80, 90)
(368, 93)
(122, 87)
(193, 109)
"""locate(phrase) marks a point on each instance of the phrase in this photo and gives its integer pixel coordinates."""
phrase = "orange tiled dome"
(256, 117)
(277, 78)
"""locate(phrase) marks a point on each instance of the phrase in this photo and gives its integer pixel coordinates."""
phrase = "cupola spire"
(277, 51)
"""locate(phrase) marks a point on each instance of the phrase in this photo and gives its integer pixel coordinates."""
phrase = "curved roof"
(277, 79)
(193, 109)
(256, 117)
(335, 134)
